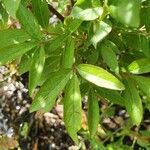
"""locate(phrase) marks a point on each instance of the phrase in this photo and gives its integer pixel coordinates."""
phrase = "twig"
(54, 11)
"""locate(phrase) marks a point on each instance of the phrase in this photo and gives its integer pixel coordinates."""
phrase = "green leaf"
(25, 62)
(110, 95)
(72, 24)
(28, 22)
(99, 77)
(100, 31)
(127, 12)
(11, 6)
(72, 108)
(45, 98)
(41, 11)
(3, 17)
(36, 68)
(133, 102)
(12, 52)
(52, 64)
(57, 42)
(68, 56)
(12, 36)
(144, 84)
(109, 58)
(93, 113)
(93, 13)
(139, 66)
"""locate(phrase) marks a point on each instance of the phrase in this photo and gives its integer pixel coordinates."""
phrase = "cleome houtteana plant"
(98, 49)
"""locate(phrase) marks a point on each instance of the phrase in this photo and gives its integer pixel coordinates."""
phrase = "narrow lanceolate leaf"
(139, 66)
(41, 11)
(86, 14)
(99, 77)
(72, 108)
(12, 52)
(12, 36)
(36, 69)
(133, 102)
(110, 95)
(45, 98)
(68, 56)
(127, 12)
(11, 6)
(28, 22)
(100, 31)
(110, 58)
(144, 84)
(93, 113)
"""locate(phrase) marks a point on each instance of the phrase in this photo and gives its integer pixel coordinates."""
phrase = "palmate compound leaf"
(13, 51)
(72, 108)
(99, 77)
(93, 112)
(144, 84)
(45, 98)
(139, 66)
(36, 68)
(133, 102)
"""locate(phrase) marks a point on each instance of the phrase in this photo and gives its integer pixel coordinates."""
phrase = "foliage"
(98, 49)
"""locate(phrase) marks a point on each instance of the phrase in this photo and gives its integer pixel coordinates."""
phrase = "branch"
(55, 12)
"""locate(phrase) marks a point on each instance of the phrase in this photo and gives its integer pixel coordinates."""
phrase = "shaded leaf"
(41, 11)
(28, 22)
(99, 77)
(133, 102)
(36, 69)
(45, 98)
(68, 56)
(109, 58)
(144, 84)
(111, 95)
(12, 52)
(72, 108)
(93, 13)
(93, 113)
(139, 66)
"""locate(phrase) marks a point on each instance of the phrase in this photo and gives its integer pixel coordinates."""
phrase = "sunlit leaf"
(72, 108)
(45, 98)
(40, 9)
(81, 14)
(12, 36)
(133, 102)
(99, 77)
(12, 52)
(28, 22)
(11, 6)
(127, 12)
(139, 66)
(100, 31)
